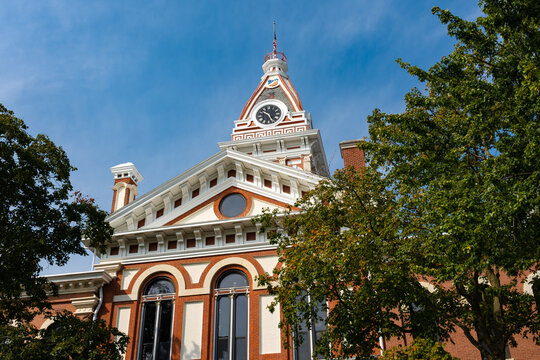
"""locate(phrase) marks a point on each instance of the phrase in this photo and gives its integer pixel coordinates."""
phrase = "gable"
(209, 210)
(193, 196)
(276, 93)
(273, 87)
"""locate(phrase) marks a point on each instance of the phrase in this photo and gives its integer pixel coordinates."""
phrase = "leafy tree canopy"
(420, 349)
(40, 217)
(67, 338)
(441, 228)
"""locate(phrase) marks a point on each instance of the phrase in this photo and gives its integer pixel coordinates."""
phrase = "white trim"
(216, 190)
(79, 282)
(528, 283)
(271, 139)
(198, 253)
(174, 228)
(122, 298)
(159, 268)
(77, 276)
(231, 261)
(48, 322)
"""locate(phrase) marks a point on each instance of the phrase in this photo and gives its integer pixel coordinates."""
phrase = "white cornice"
(197, 253)
(79, 282)
(270, 139)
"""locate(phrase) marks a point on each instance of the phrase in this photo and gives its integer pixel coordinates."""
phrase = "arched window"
(156, 320)
(231, 316)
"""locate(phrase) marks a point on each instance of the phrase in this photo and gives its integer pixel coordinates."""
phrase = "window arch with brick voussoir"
(231, 314)
(156, 320)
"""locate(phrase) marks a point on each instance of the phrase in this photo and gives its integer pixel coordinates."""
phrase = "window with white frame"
(307, 336)
(231, 316)
(155, 331)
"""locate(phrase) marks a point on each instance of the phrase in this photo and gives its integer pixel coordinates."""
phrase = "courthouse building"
(179, 274)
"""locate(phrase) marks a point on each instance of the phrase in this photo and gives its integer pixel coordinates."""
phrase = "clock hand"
(269, 117)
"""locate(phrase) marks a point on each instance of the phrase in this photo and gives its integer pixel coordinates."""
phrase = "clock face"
(268, 114)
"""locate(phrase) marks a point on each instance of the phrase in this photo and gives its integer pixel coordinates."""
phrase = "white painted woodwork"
(127, 276)
(268, 263)
(195, 271)
(192, 330)
(270, 334)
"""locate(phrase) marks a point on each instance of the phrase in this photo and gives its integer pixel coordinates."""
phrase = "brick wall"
(352, 156)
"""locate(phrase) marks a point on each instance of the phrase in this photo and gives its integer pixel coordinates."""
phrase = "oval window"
(232, 205)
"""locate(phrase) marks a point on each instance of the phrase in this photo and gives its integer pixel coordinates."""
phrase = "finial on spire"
(274, 54)
(275, 40)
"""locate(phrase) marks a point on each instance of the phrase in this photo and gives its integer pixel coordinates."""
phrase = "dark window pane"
(240, 327)
(147, 352)
(240, 348)
(318, 335)
(303, 352)
(232, 205)
(222, 349)
(223, 327)
(148, 324)
(321, 317)
(160, 286)
(231, 280)
(164, 339)
(240, 316)
(224, 310)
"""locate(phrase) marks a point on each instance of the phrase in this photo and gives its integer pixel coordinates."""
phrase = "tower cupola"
(275, 63)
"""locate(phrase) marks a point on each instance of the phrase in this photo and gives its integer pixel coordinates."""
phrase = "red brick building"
(179, 273)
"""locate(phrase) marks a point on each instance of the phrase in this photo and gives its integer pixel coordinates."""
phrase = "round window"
(232, 205)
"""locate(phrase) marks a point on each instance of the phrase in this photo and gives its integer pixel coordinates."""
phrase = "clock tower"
(273, 124)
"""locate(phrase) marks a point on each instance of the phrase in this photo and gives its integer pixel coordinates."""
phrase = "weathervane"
(275, 40)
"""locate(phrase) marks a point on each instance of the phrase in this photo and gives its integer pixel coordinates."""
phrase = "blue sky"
(159, 83)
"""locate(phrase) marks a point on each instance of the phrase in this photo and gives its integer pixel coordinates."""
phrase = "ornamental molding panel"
(85, 305)
(82, 282)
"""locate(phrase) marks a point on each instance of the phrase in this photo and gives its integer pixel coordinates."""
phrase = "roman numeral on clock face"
(268, 114)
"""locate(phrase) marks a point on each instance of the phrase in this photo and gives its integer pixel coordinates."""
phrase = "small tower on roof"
(126, 179)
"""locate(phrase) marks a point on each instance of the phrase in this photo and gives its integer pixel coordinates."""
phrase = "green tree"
(420, 349)
(67, 338)
(40, 217)
(450, 196)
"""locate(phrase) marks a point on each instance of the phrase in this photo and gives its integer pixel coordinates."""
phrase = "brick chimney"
(351, 154)
(126, 179)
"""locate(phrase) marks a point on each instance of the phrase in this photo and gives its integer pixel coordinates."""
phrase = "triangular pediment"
(194, 196)
(273, 87)
(210, 209)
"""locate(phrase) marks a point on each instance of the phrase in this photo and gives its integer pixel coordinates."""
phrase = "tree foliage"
(420, 349)
(67, 338)
(40, 217)
(450, 197)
